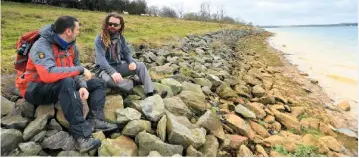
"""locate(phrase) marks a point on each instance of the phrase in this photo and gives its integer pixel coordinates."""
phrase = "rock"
(242, 90)
(225, 92)
(160, 60)
(61, 140)
(239, 125)
(275, 140)
(344, 105)
(14, 120)
(276, 154)
(147, 142)
(309, 140)
(161, 88)
(46, 111)
(214, 79)
(260, 150)
(251, 80)
(192, 152)
(276, 126)
(153, 107)
(136, 126)
(51, 133)
(269, 119)
(287, 120)
(182, 135)
(139, 91)
(6, 106)
(54, 125)
(29, 149)
(296, 111)
(39, 137)
(10, 138)
(290, 136)
(34, 127)
(259, 129)
(99, 135)
(210, 147)
(257, 108)
(173, 84)
(278, 96)
(115, 135)
(194, 101)
(177, 107)
(258, 91)
(112, 104)
(245, 112)
(160, 72)
(154, 154)
(326, 130)
(121, 146)
(206, 90)
(61, 118)
(332, 143)
(235, 141)
(244, 152)
(161, 128)
(267, 100)
(71, 154)
(212, 123)
(127, 114)
(193, 88)
(27, 109)
(309, 122)
(203, 82)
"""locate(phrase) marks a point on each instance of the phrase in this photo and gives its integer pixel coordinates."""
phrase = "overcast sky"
(276, 12)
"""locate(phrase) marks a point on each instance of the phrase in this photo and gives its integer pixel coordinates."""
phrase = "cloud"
(277, 12)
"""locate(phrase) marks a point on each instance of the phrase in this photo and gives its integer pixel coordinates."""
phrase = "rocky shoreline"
(229, 94)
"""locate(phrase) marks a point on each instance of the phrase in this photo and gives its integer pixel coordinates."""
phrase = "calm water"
(327, 54)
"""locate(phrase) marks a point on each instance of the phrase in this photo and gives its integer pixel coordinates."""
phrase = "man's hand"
(87, 74)
(132, 66)
(84, 94)
(117, 77)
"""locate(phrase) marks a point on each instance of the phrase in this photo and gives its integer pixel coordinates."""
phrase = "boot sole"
(90, 148)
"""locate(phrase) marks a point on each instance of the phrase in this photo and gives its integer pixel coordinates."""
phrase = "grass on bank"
(18, 18)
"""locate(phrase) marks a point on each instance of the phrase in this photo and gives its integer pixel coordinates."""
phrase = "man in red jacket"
(54, 73)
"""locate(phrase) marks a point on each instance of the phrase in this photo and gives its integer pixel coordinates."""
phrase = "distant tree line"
(140, 7)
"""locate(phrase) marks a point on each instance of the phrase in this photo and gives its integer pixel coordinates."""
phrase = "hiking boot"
(163, 93)
(100, 125)
(86, 144)
(136, 81)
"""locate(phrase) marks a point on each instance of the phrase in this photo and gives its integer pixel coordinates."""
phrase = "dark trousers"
(66, 92)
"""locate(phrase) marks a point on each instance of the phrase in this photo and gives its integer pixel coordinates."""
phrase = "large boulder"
(14, 120)
(194, 101)
(160, 72)
(147, 143)
(121, 146)
(112, 104)
(61, 140)
(257, 108)
(195, 88)
(203, 82)
(153, 107)
(275, 140)
(225, 92)
(287, 120)
(239, 125)
(310, 140)
(344, 105)
(332, 143)
(212, 123)
(10, 138)
(244, 152)
(136, 126)
(29, 149)
(27, 109)
(245, 112)
(47, 111)
(126, 115)
(6, 106)
(210, 147)
(161, 128)
(259, 129)
(177, 107)
(34, 127)
(258, 91)
(182, 135)
(192, 152)
(173, 84)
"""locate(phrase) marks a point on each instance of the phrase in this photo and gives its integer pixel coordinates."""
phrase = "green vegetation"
(19, 18)
(314, 132)
(300, 151)
(302, 116)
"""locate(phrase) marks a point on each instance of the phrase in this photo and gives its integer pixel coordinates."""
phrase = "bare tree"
(153, 11)
(168, 12)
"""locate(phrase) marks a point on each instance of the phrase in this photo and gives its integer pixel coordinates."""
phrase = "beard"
(112, 31)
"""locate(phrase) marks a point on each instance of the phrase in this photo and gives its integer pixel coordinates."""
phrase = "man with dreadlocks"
(114, 60)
